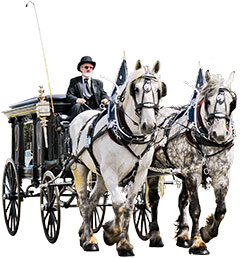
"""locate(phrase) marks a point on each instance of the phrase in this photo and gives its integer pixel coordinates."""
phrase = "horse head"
(217, 101)
(141, 95)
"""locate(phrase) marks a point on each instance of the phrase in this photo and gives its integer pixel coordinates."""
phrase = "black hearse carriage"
(40, 167)
(37, 168)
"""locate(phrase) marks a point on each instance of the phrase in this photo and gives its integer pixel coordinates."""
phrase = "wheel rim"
(98, 214)
(142, 216)
(11, 197)
(50, 208)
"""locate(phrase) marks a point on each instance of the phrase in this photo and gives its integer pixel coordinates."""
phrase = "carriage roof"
(32, 106)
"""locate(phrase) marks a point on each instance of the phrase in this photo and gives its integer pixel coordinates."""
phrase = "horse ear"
(156, 67)
(207, 76)
(230, 79)
(138, 65)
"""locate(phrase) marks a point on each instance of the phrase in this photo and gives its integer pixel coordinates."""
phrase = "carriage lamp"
(43, 111)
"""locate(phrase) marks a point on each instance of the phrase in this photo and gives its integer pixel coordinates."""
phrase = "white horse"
(115, 146)
(204, 154)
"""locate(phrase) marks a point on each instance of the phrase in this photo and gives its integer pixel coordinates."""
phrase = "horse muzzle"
(221, 133)
(148, 128)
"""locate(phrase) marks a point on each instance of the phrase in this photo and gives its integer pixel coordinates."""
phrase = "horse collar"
(118, 129)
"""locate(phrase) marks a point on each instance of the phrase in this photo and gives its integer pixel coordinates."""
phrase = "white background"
(178, 33)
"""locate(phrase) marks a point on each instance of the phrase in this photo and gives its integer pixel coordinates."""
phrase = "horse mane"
(216, 80)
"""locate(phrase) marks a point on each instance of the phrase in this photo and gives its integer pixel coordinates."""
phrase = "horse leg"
(87, 240)
(112, 229)
(213, 221)
(124, 247)
(198, 245)
(154, 233)
(182, 223)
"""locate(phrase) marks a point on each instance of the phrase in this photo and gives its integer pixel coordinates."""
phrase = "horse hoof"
(154, 243)
(123, 252)
(107, 240)
(90, 247)
(181, 242)
(205, 235)
(199, 251)
(81, 243)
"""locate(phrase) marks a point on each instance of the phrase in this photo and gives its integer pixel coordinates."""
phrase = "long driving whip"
(44, 57)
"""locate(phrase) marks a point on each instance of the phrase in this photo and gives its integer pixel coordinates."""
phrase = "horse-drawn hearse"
(42, 156)
(65, 164)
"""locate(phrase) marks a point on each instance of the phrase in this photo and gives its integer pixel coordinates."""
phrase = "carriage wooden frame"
(39, 167)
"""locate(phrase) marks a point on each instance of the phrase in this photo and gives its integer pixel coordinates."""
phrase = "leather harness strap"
(91, 138)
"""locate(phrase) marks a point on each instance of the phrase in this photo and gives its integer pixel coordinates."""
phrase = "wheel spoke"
(53, 223)
(50, 209)
(8, 206)
(45, 217)
(139, 217)
(6, 187)
(145, 223)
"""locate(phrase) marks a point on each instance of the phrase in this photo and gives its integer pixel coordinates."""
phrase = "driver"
(84, 92)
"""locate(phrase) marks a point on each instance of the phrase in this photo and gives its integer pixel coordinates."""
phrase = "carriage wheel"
(11, 197)
(50, 208)
(142, 215)
(99, 212)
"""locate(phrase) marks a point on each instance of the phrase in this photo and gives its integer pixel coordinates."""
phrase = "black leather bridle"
(201, 130)
(147, 88)
(220, 101)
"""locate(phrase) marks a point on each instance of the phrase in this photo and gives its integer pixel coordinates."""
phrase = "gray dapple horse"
(203, 153)
(113, 146)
